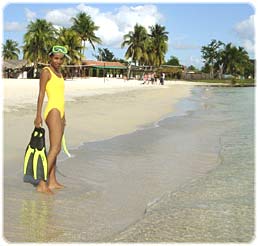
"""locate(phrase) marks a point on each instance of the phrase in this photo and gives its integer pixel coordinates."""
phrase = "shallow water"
(113, 184)
(218, 207)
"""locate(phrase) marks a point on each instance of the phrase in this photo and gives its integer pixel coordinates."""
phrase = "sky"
(191, 25)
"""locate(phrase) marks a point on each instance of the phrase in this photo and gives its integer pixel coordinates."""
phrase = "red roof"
(102, 63)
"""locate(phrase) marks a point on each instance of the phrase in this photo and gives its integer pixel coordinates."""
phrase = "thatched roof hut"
(14, 64)
(13, 68)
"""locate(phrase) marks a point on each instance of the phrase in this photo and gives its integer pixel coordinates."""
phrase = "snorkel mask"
(60, 49)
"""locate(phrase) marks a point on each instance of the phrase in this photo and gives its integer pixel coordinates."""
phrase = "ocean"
(188, 177)
(219, 206)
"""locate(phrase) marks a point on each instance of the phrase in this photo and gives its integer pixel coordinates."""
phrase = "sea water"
(218, 207)
(112, 186)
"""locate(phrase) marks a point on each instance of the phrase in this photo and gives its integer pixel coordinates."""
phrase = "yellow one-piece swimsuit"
(55, 94)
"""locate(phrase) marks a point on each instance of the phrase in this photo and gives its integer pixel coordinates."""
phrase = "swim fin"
(35, 166)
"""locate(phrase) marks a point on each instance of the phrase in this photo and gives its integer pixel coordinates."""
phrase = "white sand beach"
(97, 119)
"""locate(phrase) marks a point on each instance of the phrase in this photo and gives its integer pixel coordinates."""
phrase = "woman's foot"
(43, 188)
(55, 185)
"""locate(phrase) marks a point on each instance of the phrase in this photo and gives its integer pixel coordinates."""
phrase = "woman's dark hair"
(50, 52)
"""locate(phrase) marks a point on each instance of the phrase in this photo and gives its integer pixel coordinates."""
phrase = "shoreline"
(114, 192)
(218, 207)
(126, 107)
(28, 89)
(90, 118)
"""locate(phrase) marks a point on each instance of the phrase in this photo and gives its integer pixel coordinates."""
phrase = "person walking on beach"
(162, 78)
(52, 82)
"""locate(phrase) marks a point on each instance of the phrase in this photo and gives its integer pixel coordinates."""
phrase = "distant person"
(52, 83)
(152, 78)
(155, 78)
(162, 78)
(149, 78)
(145, 78)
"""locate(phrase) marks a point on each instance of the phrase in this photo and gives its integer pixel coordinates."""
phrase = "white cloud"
(109, 31)
(30, 15)
(61, 17)
(249, 45)
(14, 26)
(87, 9)
(112, 25)
(145, 15)
(245, 31)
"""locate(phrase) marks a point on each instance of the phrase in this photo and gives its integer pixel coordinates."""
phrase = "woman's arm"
(44, 77)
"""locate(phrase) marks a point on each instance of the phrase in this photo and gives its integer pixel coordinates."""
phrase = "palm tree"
(69, 39)
(211, 54)
(10, 50)
(148, 56)
(159, 38)
(137, 42)
(105, 55)
(85, 27)
(40, 36)
(235, 60)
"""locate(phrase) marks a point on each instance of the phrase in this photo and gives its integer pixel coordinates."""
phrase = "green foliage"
(69, 38)
(212, 54)
(173, 61)
(206, 68)
(159, 43)
(39, 38)
(144, 48)
(85, 28)
(192, 68)
(105, 55)
(10, 50)
(223, 58)
(136, 42)
(235, 60)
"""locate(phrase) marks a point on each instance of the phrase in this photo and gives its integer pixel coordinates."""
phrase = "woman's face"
(57, 60)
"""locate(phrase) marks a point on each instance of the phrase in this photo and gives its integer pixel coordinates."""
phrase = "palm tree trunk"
(212, 72)
(220, 71)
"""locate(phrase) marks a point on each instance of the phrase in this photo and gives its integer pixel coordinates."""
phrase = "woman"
(52, 82)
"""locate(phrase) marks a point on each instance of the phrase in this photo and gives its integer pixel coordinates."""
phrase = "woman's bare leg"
(53, 183)
(55, 126)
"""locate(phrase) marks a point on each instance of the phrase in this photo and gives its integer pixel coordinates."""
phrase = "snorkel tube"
(64, 146)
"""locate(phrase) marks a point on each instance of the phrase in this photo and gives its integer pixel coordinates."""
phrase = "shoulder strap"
(52, 73)
(48, 68)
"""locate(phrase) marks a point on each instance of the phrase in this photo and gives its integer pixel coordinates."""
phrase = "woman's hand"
(38, 121)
